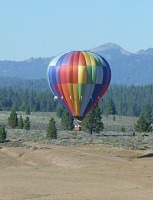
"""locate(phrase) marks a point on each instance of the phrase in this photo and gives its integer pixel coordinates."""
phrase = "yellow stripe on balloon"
(82, 74)
(87, 58)
(71, 97)
(76, 99)
(90, 60)
(71, 90)
(93, 63)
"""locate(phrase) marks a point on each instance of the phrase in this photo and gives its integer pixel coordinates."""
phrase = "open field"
(112, 165)
(82, 172)
(111, 135)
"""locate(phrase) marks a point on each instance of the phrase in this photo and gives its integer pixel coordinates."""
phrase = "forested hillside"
(33, 68)
(127, 68)
(36, 95)
(38, 84)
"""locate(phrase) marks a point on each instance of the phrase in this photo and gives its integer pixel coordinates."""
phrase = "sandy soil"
(83, 172)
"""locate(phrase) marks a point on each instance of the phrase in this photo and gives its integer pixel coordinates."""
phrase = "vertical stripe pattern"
(79, 79)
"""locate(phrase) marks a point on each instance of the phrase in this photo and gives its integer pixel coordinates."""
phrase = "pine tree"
(143, 125)
(2, 133)
(13, 119)
(93, 121)
(27, 123)
(51, 130)
(145, 120)
(20, 123)
(67, 121)
(59, 110)
(146, 112)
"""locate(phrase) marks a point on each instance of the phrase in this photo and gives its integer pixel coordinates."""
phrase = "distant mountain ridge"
(149, 51)
(127, 68)
(110, 48)
(33, 68)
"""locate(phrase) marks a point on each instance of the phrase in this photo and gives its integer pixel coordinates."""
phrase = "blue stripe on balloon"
(105, 78)
(85, 98)
(97, 90)
(59, 61)
(106, 72)
(51, 75)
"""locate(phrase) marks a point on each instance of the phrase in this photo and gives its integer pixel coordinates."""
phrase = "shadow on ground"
(149, 155)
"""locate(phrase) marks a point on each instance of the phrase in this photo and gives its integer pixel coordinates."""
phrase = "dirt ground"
(80, 172)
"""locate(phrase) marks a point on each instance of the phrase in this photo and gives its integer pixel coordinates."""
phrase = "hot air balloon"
(78, 79)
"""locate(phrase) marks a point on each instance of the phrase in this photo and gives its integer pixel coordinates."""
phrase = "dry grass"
(80, 172)
(76, 166)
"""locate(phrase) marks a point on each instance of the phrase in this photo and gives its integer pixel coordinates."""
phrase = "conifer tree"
(51, 130)
(13, 119)
(2, 133)
(145, 120)
(59, 110)
(143, 125)
(93, 121)
(67, 121)
(20, 123)
(146, 112)
(27, 123)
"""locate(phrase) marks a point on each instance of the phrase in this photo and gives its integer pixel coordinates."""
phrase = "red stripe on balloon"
(66, 91)
(82, 60)
(74, 67)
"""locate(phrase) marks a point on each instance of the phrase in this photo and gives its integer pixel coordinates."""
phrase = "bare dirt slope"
(83, 172)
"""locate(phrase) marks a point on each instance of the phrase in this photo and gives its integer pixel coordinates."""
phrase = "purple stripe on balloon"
(66, 59)
(57, 74)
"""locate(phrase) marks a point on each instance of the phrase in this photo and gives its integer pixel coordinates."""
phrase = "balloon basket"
(77, 124)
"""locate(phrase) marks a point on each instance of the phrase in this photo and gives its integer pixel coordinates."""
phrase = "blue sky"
(43, 28)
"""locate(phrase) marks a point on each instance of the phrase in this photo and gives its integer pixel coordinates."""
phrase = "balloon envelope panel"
(79, 79)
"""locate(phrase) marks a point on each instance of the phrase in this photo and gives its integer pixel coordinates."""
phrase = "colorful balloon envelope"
(79, 79)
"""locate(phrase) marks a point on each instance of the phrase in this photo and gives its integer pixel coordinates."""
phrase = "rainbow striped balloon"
(79, 79)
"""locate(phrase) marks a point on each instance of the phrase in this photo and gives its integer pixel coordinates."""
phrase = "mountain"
(33, 68)
(110, 49)
(145, 52)
(127, 68)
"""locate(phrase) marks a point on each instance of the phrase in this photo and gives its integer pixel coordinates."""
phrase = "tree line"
(23, 99)
(120, 100)
(127, 100)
